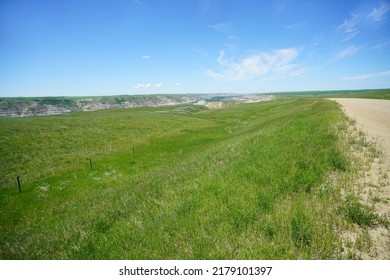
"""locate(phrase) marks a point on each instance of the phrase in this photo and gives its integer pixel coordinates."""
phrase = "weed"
(361, 214)
(301, 228)
(339, 161)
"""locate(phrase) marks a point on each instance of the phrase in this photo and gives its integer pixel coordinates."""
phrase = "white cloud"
(346, 52)
(379, 14)
(148, 85)
(350, 26)
(140, 86)
(177, 84)
(368, 76)
(146, 56)
(221, 27)
(277, 63)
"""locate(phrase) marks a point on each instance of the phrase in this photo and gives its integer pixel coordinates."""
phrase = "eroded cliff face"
(238, 99)
(43, 106)
(27, 107)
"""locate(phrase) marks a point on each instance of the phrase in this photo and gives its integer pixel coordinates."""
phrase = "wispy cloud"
(317, 40)
(281, 6)
(349, 27)
(346, 52)
(383, 44)
(146, 56)
(295, 26)
(352, 25)
(139, 86)
(276, 63)
(221, 27)
(200, 52)
(148, 85)
(379, 14)
(205, 6)
(233, 38)
(368, 76)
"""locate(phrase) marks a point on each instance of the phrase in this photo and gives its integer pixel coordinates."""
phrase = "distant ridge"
(42, 106)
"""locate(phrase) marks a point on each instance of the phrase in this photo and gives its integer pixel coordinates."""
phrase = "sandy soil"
(373, 117)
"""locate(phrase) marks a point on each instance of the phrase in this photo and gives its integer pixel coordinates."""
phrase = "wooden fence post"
(19, 187)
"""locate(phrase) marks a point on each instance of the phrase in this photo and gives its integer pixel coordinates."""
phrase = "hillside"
(42, 106)
(26, 107)
(178, 182)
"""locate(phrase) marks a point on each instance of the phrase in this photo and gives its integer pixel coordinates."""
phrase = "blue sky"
(96, 47)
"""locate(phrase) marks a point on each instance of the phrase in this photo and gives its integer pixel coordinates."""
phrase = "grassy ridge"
(247, 182)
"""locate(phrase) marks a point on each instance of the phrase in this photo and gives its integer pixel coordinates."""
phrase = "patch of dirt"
(372, 185)
(218, 104)
(373, 116)
(228, 101)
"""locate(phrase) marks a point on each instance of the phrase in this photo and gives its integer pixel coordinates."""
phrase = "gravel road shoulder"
(373, 117)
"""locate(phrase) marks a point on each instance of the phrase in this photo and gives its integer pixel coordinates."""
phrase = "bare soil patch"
(373, 185)
(374, 117)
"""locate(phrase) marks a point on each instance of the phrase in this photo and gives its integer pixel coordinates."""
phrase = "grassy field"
(372, 94)
(246, 182)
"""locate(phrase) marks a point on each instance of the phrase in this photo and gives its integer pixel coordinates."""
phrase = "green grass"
(369, 93)
(246, 182)
(372, 94)
(362, 215)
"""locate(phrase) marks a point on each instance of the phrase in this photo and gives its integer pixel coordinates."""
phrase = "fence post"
(17, 179)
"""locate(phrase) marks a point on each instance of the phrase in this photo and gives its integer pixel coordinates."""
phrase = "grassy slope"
(248, 182)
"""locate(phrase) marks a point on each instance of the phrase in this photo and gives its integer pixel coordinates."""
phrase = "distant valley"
(42, 106)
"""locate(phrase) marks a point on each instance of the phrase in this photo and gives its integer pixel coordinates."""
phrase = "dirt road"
(373, 116)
